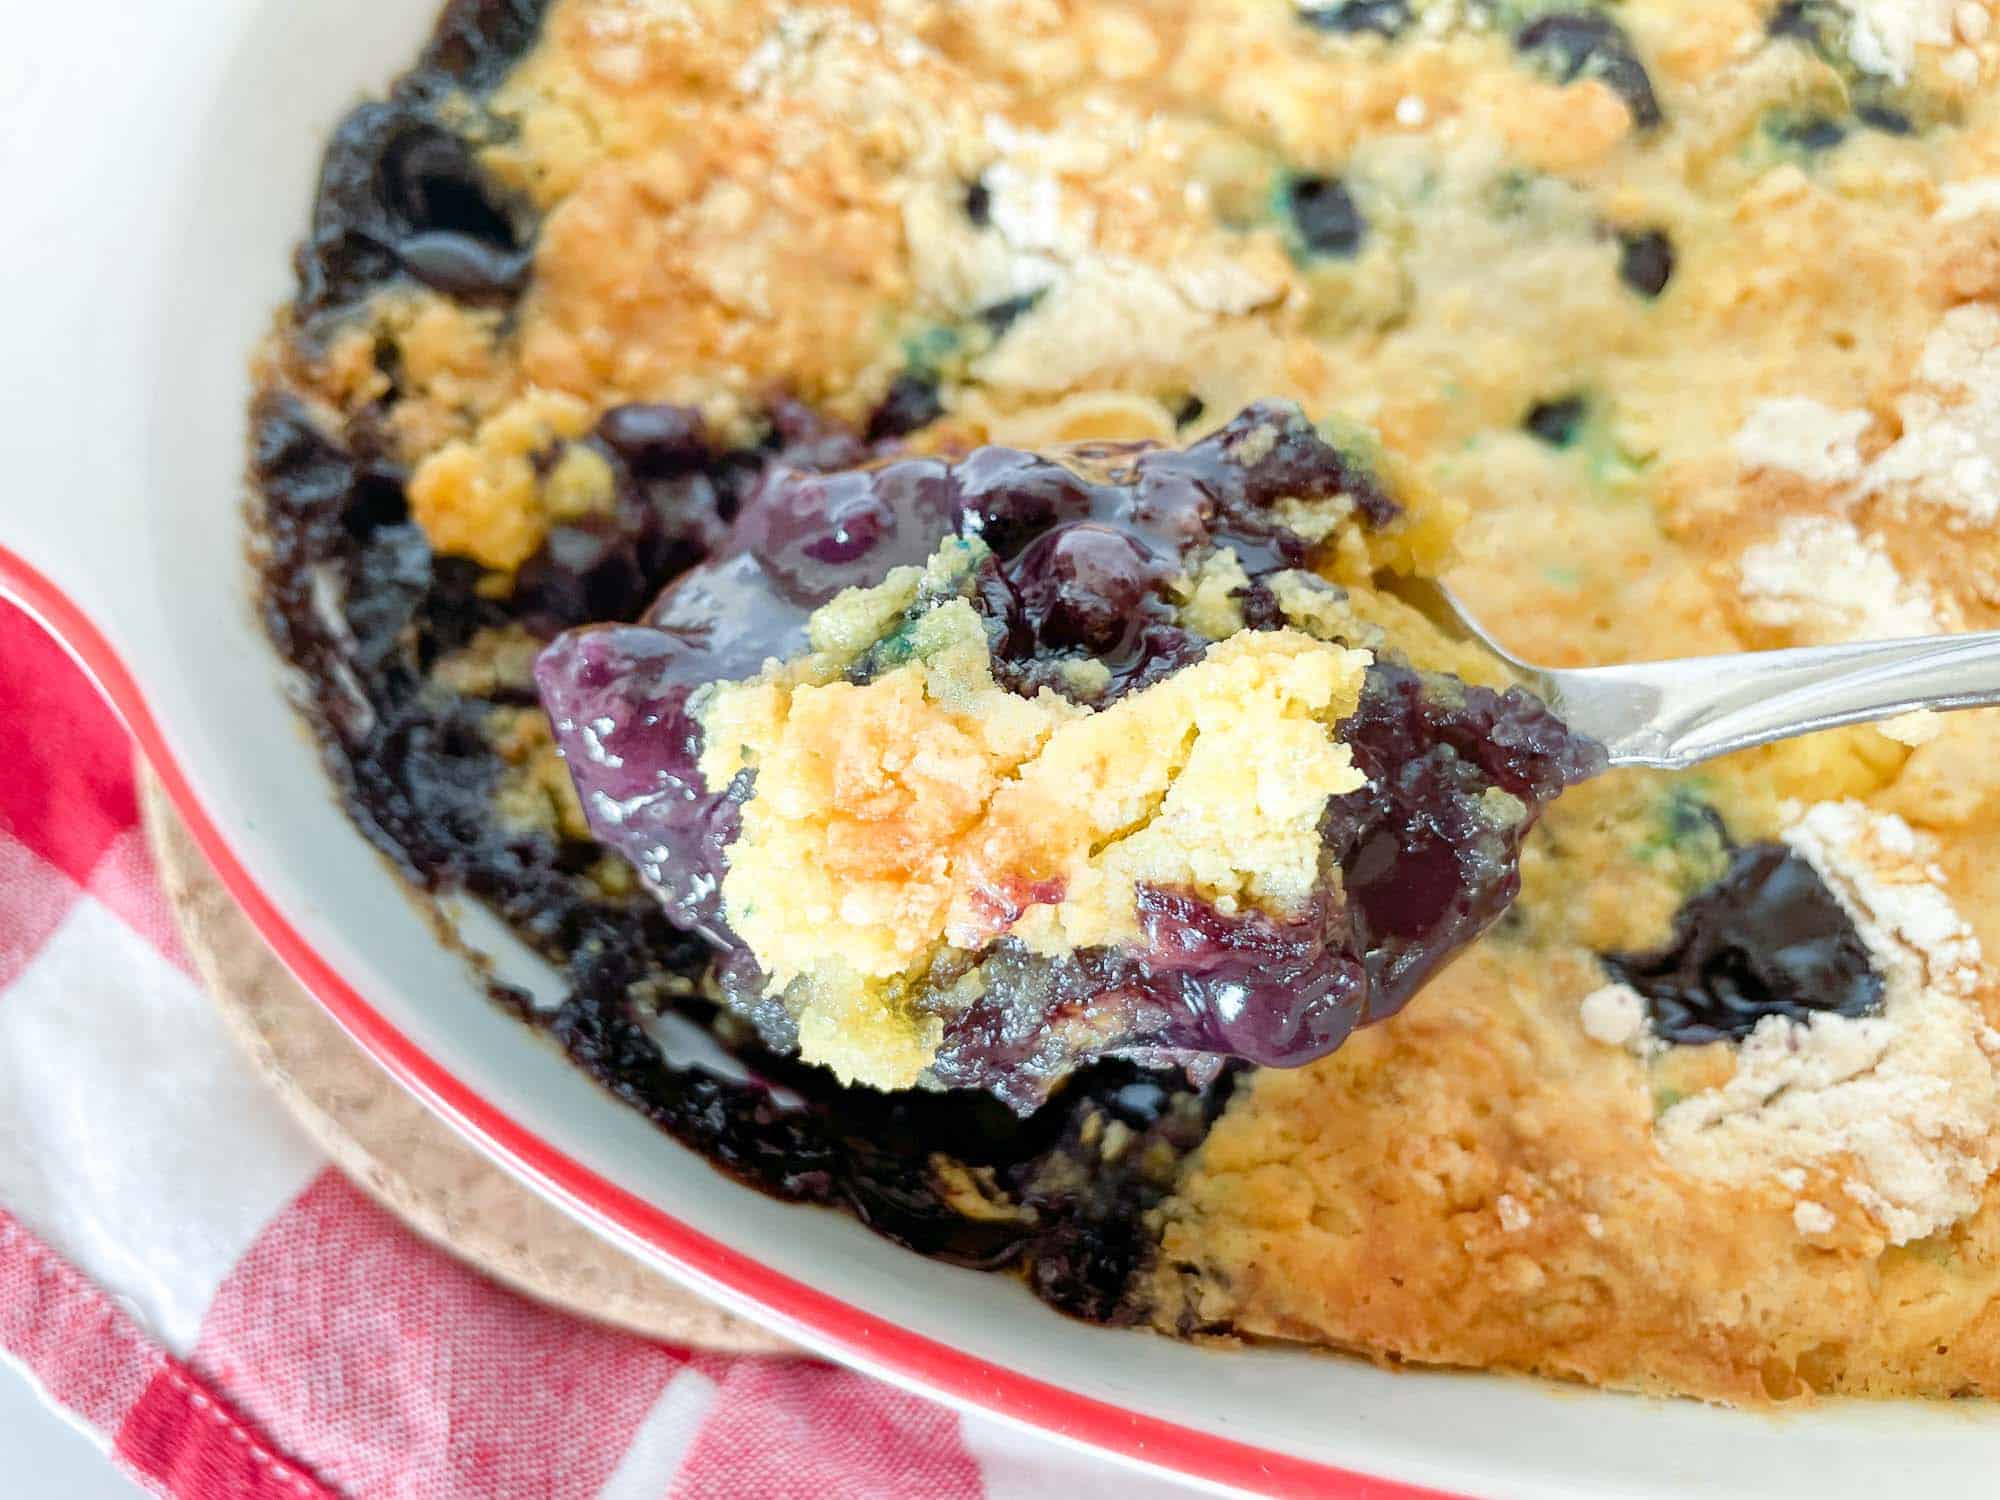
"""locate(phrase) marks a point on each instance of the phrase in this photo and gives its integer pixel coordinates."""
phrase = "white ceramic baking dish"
(159, 156)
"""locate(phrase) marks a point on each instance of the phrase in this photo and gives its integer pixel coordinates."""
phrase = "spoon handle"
(1675, 714)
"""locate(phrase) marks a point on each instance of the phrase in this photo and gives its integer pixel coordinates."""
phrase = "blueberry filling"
(1586, 44)
(667, 514)
(400, 195)
(1766, 939)
(1385, 18)
(1645, 260)
(1324, 217)
(1556, 422)
(353, 596)
(1080, 570)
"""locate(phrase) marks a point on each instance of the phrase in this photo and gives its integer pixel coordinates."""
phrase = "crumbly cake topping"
(930, 807)
(1826, 582)
(1615, 1014)
(1901, 1109)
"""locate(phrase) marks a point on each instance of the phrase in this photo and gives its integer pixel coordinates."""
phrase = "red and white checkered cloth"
(184, 1273)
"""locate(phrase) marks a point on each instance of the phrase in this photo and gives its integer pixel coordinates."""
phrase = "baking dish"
(160, 159)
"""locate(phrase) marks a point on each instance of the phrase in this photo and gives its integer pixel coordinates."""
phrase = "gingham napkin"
(186, 1275)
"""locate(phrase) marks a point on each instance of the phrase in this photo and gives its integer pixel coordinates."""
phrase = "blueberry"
(1767, 939)
(1645, 260)
(910, 403)
(1008, 498)
(1081, 586)
(1001, 316)
(400, 196)
(1812, 133)
(814, 535)
(978, 203)
(1816, 23)
(656, 439)
(1324, 216)
(1556, 422)
(1586, 44)
(1883, 117)
(1387, 18)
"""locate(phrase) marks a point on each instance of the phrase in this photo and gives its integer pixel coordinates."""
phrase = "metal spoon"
(1676, 714)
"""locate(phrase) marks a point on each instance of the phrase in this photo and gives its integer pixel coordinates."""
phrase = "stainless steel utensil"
(1676, 714)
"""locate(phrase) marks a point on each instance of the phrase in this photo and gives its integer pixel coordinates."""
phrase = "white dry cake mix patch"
(1884, 35)
(1947, 453)
(1805, 437)
(1823, 580)
(1902, 1108)
(1086, 315)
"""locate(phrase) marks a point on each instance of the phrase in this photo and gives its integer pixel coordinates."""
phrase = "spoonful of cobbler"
(974, 771)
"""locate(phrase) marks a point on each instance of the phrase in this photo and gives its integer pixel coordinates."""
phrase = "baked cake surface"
(1681, 322)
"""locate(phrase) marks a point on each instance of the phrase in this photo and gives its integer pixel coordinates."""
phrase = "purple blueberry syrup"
(1768, 938)
(1082, 561)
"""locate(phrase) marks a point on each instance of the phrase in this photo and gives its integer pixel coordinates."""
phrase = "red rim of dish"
(938, 1368)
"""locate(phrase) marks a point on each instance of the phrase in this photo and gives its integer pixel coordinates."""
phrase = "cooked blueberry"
(1816, 23)
(656, 439)
(476, 41)
(1274, 452)
(1585, 44)
(1324, 216)
(319, 497)
(910, 403)
(1389, 18)
(1811, 133)
(814, 535)
(978, 203)
(1882, 117)
(1189, 411)
(375, 500)
(1767, 939)
(1556, 422)
(401, 196)
(1007, 498)
(1081, 586)
(1645, 260)
(1001, 316)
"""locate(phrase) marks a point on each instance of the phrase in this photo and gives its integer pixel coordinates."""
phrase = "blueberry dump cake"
(872, 529)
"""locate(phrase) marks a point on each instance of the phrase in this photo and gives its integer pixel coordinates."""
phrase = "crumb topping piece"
(930, 806)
